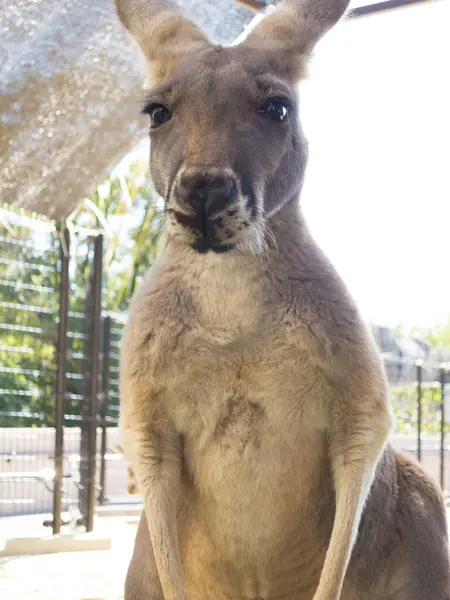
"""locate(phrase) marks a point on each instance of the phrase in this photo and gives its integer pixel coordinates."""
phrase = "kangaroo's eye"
(159, 114)
(275, 109)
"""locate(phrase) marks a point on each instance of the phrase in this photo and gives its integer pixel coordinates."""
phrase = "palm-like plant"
(132, 217)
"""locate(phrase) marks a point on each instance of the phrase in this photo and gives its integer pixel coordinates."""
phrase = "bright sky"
(376, 111)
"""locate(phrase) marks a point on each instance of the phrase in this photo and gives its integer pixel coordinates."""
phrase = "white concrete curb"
(49, 544)
(120, 510)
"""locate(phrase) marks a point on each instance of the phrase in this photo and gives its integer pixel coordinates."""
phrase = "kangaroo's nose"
(205, 194)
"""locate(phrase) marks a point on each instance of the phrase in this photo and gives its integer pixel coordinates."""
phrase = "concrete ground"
(91, 575)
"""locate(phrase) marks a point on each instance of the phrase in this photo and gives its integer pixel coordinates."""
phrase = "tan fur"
(132, 486)
(253, 401)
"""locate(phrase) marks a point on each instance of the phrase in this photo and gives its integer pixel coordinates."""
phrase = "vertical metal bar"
(104, 403)
(61, 379)
(442, 458)
(86, 406)
(419, 411)
(95, 341)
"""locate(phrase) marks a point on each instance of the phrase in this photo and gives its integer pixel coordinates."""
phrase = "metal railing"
(58, 375)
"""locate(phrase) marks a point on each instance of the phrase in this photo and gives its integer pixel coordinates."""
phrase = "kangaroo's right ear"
(162, 32)
(289, 33)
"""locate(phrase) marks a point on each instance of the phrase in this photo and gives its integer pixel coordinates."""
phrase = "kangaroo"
(254, 404)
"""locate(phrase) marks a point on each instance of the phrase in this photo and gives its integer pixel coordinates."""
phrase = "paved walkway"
(94, 575)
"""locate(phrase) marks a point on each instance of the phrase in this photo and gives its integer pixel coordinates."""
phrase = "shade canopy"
(70, 91)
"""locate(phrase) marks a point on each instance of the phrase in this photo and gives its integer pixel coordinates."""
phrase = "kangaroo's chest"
(250, 415)
(257, 470)
(235, 394)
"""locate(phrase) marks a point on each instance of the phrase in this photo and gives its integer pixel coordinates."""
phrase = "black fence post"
(88, 450)
(104, 403)
(442, 465)
(96, 332)
(61, 379)
(419, 411)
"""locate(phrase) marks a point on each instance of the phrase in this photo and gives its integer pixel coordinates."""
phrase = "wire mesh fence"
(28, 330)
(33, 261)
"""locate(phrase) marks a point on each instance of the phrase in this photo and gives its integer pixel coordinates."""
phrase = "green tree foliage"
(131, 219)
(440, 336)
(404, 402)
(28, 308)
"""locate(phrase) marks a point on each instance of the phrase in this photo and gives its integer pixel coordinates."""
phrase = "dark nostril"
(206, 193)
(217, 192)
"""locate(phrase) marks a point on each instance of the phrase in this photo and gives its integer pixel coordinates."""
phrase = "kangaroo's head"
(227, 149)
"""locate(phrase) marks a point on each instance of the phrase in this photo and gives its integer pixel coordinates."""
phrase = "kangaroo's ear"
(289, 33)
(162, 32)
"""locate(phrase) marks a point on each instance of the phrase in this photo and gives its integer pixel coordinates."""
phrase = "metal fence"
(29, 303)
(58, 374)
(59, 384)
(421, 403)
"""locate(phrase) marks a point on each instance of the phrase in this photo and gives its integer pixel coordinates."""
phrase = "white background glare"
(376, 111)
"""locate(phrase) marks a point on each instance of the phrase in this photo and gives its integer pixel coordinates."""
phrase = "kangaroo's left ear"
(289, 33)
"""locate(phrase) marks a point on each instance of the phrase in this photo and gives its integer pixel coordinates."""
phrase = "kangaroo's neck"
(239, 293)
(289, 253)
